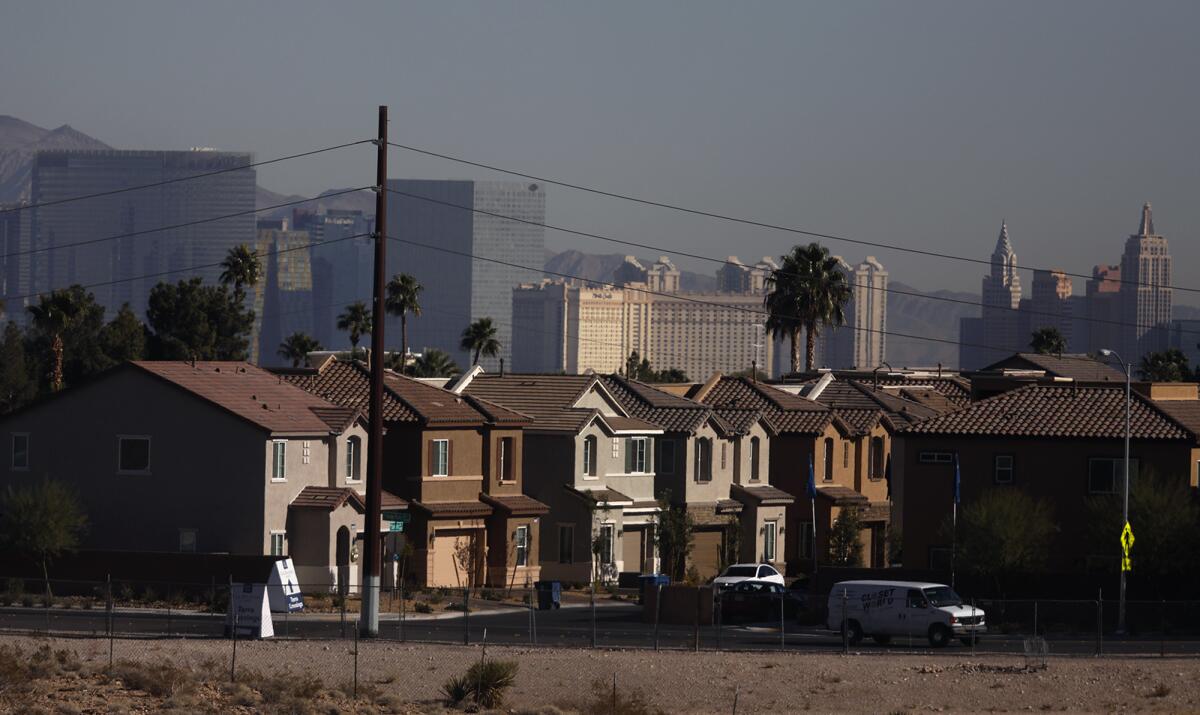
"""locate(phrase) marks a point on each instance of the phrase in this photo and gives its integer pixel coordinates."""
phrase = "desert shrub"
(437, 595)
(484, 683)
(626, 702)
(422, 607)
(491, 594)
(161, 680)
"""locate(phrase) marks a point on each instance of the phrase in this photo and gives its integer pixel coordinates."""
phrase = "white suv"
(748, 572)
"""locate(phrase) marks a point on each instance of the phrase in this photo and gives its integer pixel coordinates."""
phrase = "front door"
(878, 546)
(634, 551)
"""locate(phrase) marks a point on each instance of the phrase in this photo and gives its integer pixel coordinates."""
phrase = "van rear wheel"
(853, 632)
(939, 635)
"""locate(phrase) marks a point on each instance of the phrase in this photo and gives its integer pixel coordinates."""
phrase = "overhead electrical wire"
(756, 223)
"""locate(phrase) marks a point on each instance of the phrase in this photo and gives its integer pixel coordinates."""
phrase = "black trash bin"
(549, 594)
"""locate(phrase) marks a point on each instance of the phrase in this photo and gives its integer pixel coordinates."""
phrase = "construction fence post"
(108, 607)
(593, 596)
(845, 630)
(467, 616)
(696, 630)
(657, 611)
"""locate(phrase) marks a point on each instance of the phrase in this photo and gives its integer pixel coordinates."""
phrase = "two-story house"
(201, 457)
(1062, 443)
(458, 461)
(715, 464)
(592, 463)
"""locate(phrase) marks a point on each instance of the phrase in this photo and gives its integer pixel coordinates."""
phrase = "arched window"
(755, 446)
(353, 459)
(589, 455)
(877, 458)
(703, 459)
(829, 459)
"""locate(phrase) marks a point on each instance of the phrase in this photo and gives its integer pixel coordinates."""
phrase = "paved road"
(616, 625)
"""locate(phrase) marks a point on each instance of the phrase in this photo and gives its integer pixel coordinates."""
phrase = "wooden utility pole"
(372, 549)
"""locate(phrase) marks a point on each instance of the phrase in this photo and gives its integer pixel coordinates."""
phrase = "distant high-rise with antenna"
(1145, 290)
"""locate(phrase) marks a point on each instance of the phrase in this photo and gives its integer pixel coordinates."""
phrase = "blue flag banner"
(812, 479)
(957, 480)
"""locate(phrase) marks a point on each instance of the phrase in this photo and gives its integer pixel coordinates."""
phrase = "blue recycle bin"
(549, 594)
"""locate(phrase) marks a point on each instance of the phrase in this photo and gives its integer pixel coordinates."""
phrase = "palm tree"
(52, 316)
(480, 339)
(808, 291)
(403, 297)
(356, 320)
(434, 363)
(1048, 341)
(297, 346)
(240, 268)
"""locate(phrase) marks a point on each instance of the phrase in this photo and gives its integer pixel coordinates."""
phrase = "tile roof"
(841, 496)
(252, 394)
(600, 496)
(454, 508)
(670, 412)
(391, 501)
(953, 387)
(783, 411)
(547, 399)
(1058, 411)
(629, 424)
(738, 421)
(1184, 412)
(348, 383)
(516, 505)
(929, 397)
(1080, 367)
(727, 506)
(328, 498)
(764, 494)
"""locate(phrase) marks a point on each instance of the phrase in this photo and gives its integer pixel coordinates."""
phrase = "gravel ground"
(576, 679)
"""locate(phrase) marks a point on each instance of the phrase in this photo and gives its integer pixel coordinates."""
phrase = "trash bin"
(549, 594)
(649, 582)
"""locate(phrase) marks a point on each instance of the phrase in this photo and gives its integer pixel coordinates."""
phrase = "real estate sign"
(283, 589)
(249, 613)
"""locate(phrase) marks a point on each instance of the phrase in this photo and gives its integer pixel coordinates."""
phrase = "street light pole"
(1125, 507)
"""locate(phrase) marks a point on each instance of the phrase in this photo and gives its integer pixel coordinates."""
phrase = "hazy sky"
(922, 124)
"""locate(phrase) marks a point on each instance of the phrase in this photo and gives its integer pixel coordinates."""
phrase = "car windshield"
(741, 571)
(943, 596)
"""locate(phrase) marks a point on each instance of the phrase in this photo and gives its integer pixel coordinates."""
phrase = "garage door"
(706, 553)
(633, 550)
(446, 569)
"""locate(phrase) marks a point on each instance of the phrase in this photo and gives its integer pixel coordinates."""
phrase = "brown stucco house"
(457, 462)
(592, 463)
(716, 465)
(1062, 443)
(206, 457)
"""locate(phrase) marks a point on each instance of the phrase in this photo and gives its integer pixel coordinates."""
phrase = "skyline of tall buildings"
(861, 343)
(1126, 307)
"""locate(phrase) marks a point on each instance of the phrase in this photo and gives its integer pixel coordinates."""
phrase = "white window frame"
(521, 539)
(195, 533)
(441, 453)
(666, 456)
(121, 439)
(702, 459)
(282, 536)
(353, 459)
(279, 460)
(998, 469)
(755, 458)
(933, 457)
(507, 446)
(570, 555)
(590, 446)
(28, 448)
(641, 450)
(770, 540)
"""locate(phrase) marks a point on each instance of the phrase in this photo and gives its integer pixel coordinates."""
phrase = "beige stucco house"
(210, 457)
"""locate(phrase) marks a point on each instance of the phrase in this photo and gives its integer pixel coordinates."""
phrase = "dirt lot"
(71, 675)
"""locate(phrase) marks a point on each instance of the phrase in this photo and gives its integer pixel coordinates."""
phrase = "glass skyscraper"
(61, 175)
(464, 218)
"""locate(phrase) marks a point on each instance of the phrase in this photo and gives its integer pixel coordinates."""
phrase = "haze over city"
(921, 124)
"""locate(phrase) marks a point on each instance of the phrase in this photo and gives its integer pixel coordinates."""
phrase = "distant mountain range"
(18, 142)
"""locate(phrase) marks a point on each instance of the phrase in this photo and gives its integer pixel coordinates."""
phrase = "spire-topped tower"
(1002, 287)
(1146, 290)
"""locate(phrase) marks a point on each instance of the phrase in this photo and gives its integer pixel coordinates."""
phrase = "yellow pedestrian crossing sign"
(1126, 547)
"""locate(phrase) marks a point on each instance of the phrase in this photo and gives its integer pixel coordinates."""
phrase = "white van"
(883, 609)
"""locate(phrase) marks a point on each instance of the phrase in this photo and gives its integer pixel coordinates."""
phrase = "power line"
(759, 224)
(173, 227)
(712, 259)
(189, 269)
(678, 296)
(240, 167)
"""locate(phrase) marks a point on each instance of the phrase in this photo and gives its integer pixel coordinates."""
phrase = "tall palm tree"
(356, 320)
(53, 315)
(480, 339)
(809, 290)
(297, 346)
(403, 297)
(434, 363)
(240, 268)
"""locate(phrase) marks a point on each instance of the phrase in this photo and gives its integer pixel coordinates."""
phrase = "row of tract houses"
(510, 479)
